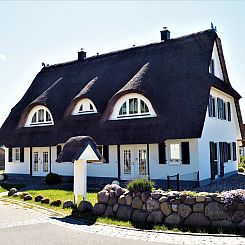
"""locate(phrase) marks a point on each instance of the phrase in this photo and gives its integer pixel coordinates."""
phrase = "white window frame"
(175, 160)
(16, 154)
(86, 105)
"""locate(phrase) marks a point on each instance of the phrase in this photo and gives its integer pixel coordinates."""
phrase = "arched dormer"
(39, 116)
(84, 106)
(132, 105)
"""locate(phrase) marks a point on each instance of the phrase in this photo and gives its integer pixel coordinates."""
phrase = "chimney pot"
(165, 34)
(81, 55)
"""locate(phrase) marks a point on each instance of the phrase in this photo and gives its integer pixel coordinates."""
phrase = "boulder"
(84, 206)
(22, 194)
(119, 192)
(99, 209)
(174, 208)
(184, 210)
(38, 198)
(56, 203)
(242, 224)
(137, 203)
(223, 223)
(166, 208)
(175, 201)
(112, 201)
(216, 211)
(45, 200)
(12, 191)
(115, 207)
(152, 204)
(103, 196)
(68, 204)
(209, 199)
(200, 198)
(122, 200)
(238, 216)
(156, 194)
(189, 200)
(145, 196)
(16, 194)
(139, 216)
(163, 199)
(109, 212)
(124, 212)
(112, 193)
(27, 197)
(218, 198)
(198, 207)
(129, 200)
(172, 219)
(197, 219)
(155, 217)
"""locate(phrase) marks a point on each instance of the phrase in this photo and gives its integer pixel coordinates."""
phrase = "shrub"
(240, 169)
(52, 179)
(140, 185)
(233, 197)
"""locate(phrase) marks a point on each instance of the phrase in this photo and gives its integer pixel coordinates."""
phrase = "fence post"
(198, 179)
(168, 182)
(177, 182)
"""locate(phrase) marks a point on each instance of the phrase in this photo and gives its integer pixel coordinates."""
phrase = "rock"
(242, 224)
(27, 197)
(200, 198)
(218, 198)
(129, 200)
(155, 217)
(209, 199)
(115, 207)
(175, 201)
(112, 193)
(189, 200)
(109, 212)
(184, 210)
(12, 191)
(99, 209)
(84, 206)
(119, 192)
(56, 203)
(103, 196)
(23, 194)
(38, 198)
(238, 216)
(124, 212)
(139, 216)
(122, 200)
(197, 219)
(198, 207)
(174, 207)
(163, 199)
(182, 197)
(112, 201)
(172, 219)
(216, 211)
(152, 204)
(156, 194)
(144, 206)
(16, 194)
(137, 203)
(223, 223)
(68, 204)
(145, 196)
(166, 208)
(45, 200)
(138, 194)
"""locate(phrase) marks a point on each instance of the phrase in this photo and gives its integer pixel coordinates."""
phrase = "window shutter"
(229, 111)
(229, 151)
(185, 150)
(212, 158)
(210, 106)
(234, 151)
(106, 153)
(58, 149)
(162, 153)
(221, 149)
(22, 157)
(10, 154)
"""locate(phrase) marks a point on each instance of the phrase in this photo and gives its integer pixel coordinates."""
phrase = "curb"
(54, 212)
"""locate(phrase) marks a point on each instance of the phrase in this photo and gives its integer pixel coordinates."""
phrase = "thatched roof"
(74, 148)
(173, 75)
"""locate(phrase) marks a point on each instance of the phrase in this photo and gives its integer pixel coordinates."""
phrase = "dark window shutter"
(106, 152)
(10, 154)
(221, 149)
(234, 151)
(229, 111)
(229, 151)
(218, 105)
(210, 106)
(162, 153)
(22, 157)
(58, 149)
(185, 150)
(212, 158)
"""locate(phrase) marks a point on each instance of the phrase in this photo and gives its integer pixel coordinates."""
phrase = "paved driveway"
(19, 225)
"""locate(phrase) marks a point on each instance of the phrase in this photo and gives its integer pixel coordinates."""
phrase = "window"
(104, 150)
(84, 106)
(34, 118)
(91, 107)
(16, 154)
(133, 106)
(81, 108)
(123, 109)
(143, 107)
(41, 117)
(174, 152)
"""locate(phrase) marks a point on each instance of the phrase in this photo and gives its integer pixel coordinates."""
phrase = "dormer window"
(39, 116)
(132, 106)
(84, 106)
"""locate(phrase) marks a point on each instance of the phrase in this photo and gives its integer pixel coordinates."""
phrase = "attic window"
(84, 106)
(132, 106)
(39, 116)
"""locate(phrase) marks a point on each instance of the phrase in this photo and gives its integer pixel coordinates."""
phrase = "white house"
(161, 109)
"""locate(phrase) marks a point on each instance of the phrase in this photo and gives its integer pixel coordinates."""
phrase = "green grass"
(7, 186)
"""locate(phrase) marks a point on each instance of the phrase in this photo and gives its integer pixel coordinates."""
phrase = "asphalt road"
(19, 225)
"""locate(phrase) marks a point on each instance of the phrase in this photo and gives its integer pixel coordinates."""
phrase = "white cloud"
(3, 57)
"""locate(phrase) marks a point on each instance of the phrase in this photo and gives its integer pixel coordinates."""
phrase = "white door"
(40, 161)
(133, 161)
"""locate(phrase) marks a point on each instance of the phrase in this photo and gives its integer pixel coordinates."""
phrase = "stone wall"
(171, 208)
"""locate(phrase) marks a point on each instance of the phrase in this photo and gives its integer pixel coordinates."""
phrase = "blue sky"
(53, 32)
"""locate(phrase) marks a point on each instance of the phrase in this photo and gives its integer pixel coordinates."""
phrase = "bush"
(240, 169)
(52, 179)
(140, 185)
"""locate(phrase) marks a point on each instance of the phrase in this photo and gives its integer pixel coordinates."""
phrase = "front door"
(133, 161)
(40, 161)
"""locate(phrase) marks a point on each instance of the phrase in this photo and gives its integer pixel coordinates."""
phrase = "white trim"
(86, 107)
